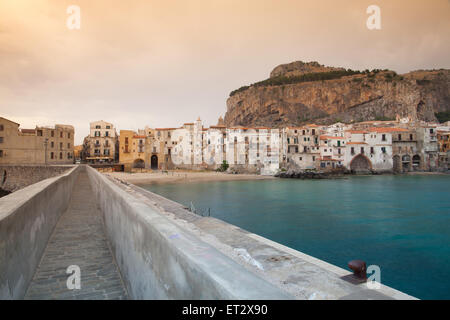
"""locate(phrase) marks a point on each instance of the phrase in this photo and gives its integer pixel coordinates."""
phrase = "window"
(1, 139)
(383, 137)
(107, 134)
(353, 150)
(97, 127)
(39, 133)
(362, 149)
(61, 135)
(68, 135)
(314, 158)
(300, 158)
(68, 146)
(1, 127)
(60, 155)
(372, 151)
(52, 155)
(1, 153)
(68, 155)
(296, 149)
(61, 146)
(431, 131)
(410, 137)
(108, 127)
(52, 133)
(52, 144)
(383, 149)
(399, 137)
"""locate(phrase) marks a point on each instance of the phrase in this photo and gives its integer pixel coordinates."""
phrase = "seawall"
(27, 219)
(15, 177)
(163, 251)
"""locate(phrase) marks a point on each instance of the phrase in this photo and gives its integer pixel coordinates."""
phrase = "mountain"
(299, 93)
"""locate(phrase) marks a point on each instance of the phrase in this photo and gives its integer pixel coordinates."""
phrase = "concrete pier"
(78, 239)
(133, 244)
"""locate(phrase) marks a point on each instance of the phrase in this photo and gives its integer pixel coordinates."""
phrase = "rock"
(359, 97)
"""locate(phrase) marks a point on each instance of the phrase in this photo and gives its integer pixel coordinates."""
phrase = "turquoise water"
(400, 223)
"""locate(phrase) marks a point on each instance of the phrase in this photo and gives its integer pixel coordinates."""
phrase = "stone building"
(101, 146)
(443, 138)
(428, 147)
(300, 147)
(406, 156)
(42, 145)
(369, 150)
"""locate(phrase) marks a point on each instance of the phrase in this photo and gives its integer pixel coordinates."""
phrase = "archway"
(416, 162)
(406, 162)
(139, 163)
(360, 163)
(154, 162)
(397, 164)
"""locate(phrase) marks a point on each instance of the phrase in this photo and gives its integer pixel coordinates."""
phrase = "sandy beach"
(182, 177)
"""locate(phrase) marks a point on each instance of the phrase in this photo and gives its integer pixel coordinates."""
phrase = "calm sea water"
(400, 223)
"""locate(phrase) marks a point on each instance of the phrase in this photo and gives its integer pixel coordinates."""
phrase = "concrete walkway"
(78, 239)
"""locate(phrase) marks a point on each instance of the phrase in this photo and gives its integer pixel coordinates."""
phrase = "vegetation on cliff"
(307, 77)
(443, 116)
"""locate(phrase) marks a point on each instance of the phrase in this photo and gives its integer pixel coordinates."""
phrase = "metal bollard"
(359, 268)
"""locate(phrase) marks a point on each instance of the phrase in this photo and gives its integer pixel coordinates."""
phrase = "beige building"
(42, 145)
(102, 143)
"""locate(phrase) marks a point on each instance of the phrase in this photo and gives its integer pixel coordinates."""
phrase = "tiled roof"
(387, 130)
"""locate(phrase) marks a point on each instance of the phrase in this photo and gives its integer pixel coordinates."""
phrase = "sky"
(163, 63)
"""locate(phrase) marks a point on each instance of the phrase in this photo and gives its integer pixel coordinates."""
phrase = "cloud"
(163, 63)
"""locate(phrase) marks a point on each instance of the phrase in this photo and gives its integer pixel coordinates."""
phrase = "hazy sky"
(166, 62)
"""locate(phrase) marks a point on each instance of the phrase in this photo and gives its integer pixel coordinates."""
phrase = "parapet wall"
(15, 177)
(160, 260)
(27, 219)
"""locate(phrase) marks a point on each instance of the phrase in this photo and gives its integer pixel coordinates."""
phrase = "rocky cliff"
(299, 93)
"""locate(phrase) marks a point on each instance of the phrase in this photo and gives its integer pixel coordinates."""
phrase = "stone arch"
(406, 162)
(360, 163)
(139, 163)
(397, 164)
(416, 162)
(154, 162)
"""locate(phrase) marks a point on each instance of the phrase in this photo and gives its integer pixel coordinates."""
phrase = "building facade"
(101, 146)
(372, 146)
(41, 146)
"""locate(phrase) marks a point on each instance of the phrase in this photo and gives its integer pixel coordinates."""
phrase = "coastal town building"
(101, 144)
(38, 146)
(371, 146)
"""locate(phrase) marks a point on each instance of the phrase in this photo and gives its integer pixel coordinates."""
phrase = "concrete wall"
(15, 177)
(159, 260)
(27, 219)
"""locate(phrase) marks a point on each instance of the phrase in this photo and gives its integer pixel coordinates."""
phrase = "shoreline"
(140, 178)
(183, 177)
